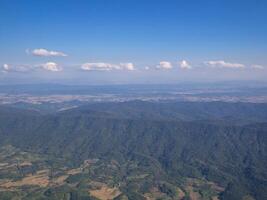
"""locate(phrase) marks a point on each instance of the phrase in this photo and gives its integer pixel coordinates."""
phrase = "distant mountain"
(183, 111)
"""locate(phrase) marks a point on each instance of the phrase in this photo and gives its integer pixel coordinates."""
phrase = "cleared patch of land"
(155, 194)
(40, 179)
(105, 193)
(194, 195)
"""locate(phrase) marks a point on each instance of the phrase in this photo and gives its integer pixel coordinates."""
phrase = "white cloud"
(184, 65)
(6, 67)
(164, 65)
(107, 66)
(147, 68)
(12, 68)
(127, 66)
(221, 63)
(46, 53)
(99, 66)
(51, 66)
(257, 66)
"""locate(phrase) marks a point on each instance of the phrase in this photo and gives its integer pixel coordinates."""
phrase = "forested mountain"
(185, 111)
(171, 145)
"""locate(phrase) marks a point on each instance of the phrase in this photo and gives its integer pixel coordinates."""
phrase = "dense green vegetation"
(139, 146)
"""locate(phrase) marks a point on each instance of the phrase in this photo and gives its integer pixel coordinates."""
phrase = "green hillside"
(145, 150)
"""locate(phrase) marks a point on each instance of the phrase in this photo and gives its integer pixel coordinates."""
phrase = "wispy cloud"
(164, 65)
(6, 67)
(184, 65)
(51, 66)
(15, 68)
(223, 64)
(46, 53)
(107, 66)
(128, 66)
(257, 66)
(147, 68)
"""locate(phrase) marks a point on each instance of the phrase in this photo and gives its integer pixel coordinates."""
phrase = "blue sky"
(132, 41)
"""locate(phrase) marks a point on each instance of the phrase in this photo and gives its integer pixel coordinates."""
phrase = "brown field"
(105, 193)
(216, 187)
(195, 183)
(74, 171)
(193, 195)
(156, 194)
(39, 179)
(248, 197)
(25, 164)
(3, 164)
(60, 180)
(181, 194)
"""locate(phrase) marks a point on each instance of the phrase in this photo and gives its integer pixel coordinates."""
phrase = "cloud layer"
(128, 66)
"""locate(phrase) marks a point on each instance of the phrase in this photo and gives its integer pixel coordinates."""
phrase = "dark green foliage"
(76, 178)
(217, 141)
(168, 189)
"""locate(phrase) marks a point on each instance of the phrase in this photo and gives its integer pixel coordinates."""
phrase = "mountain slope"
(234, 156)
